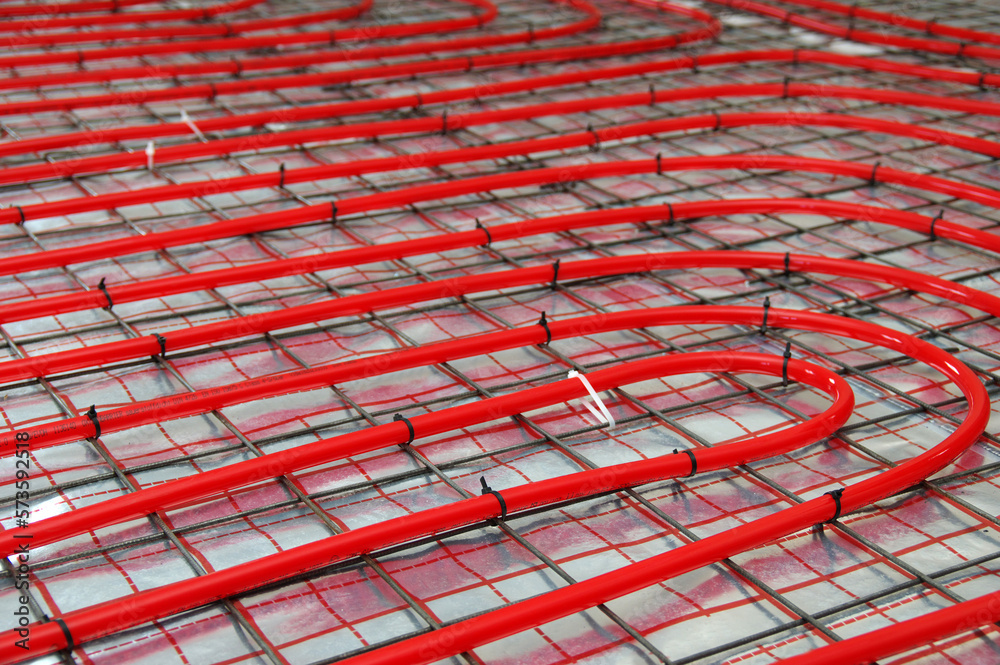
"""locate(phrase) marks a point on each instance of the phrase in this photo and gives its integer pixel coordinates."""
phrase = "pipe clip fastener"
(603, 414)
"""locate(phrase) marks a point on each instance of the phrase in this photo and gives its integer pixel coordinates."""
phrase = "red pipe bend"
(514, 618)
(205, 400)
(113, 616)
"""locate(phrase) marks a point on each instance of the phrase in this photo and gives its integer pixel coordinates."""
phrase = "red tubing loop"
(108, 618)
(457, 64)
(69, 630)
(97, 298)
(165, 36)
(582, 595)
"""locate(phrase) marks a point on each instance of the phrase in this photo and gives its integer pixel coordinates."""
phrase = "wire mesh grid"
(923, 549)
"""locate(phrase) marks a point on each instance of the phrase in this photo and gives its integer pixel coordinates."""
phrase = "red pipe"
(898, 20)
(465, 155)
(204, 13)
(535, 177)
(202, 401)
(154, 288)
(526, 614)
(319, 111)
(110, 617)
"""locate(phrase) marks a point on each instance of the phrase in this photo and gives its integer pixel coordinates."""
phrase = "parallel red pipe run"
(865, 648)
(156, 410)
(524, 615)
(10, 9)
(325, 37)
(450, 122)
(155, 288)
(202, 401)
(166, 32)
(304, 59)
(569, 600)
(493, 151)
(535, 177)
(464, 63)
(898, 20)
(110, 617)
(192, 490)
(853, 34)
(168, 44)
(319, 111)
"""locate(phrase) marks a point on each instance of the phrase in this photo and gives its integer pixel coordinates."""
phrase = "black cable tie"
(409, 426)
(333, 212)
(488, 490)
(784, 365)
(163, 344)
(853, 11)
(107, 295)
(420, 101)
(784, 94)
(788, 270)
(444, 123)
(871, 180)
(934, 221)
(767, 306)
(659, 163)
(982, 80)
(214, 94)
(694, 461)
(694, 65)
(70, 642)
(835, 495)
(961, 50)
(652, 95)
(718, 120)
(786, 19)
(597, 139)
(489, 236)
(468, 63)
(239, 66)
(79, 56)
(531, 33)
(116, 6)
(929, 25)
(545, 324)
(333, 38)
(281, 172)
(555, 274)
(795, 57)
(670, 211)
(230, 30)
(20, 211)
(92, 414)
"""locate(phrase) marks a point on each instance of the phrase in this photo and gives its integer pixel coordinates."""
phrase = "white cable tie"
(186, 119)
(150, 151)
(604, 414)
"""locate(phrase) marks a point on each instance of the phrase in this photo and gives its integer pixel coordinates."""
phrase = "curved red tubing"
(107, 618)
(526, 614)
(202, 401)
